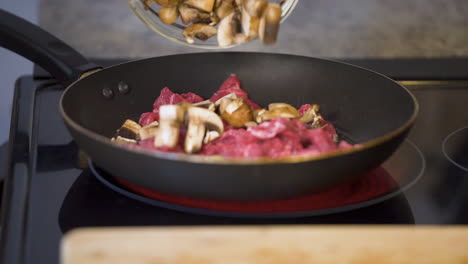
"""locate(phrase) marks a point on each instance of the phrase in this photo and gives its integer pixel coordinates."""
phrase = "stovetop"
(50, 190)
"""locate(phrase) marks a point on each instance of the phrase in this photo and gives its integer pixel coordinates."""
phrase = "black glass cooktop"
(50, 189)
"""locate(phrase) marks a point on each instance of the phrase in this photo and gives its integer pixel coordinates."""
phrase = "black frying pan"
(365, 106)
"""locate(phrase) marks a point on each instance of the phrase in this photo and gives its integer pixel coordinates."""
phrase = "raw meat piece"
(269, 130)
(148, 118)
(233, 85)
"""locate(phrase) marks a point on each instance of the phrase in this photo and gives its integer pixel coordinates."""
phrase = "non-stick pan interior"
(361, 103)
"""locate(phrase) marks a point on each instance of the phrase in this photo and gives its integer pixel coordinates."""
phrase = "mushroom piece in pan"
(129, 130)
(149, 131)
(276, 110)
(206, 104)
(236, 112)
(200, 120)
(123, 140)
(171, 118)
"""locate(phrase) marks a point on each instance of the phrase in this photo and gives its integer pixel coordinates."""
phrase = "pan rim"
(220, 160)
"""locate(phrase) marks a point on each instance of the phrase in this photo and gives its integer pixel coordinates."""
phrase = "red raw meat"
(304, 109)
(192, 98)
(269, 130)
(321, 139)
(148, 118)
(169, 97)
(233, 85)
(277, 138)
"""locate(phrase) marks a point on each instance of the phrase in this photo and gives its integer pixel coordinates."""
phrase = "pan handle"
(39, 46)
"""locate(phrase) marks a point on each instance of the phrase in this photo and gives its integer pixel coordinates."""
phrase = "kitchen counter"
(321, 28)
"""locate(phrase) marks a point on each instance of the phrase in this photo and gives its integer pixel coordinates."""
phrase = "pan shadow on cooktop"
(90, 203)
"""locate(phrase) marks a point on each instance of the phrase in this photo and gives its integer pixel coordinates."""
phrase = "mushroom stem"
(195, 135)
(270, 23)
(170, 118)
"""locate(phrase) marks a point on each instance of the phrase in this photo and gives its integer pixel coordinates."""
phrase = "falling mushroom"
(270, 23)
(205, 5)
(250, 24)
(167, 3)
(199, 31)
(229, 31)
(224, 8)
(168, 15)
(255, 8)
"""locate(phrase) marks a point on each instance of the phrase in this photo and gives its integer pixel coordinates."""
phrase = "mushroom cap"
(205, 116)
(237, 113)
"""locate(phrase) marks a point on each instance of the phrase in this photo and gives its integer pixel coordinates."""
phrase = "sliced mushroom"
(130, 130)
(149, 131)
(168, 15)
(291, 108)
(210, 136)
(230, 30)
(224, 8)
(257, 113)
(250, 24)
(120, 139)
(199, 31)
(195, 135)
(230, 96)
(251, 124)
(188, 14)
(171, 118)
(270, 23)
(310, 115)
(167, 3)
(206, 104)
(283, 112)
(237, 112)
(205, 5)
(255, 8)
(200, 120)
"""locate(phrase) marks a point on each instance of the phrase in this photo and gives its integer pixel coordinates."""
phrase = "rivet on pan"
(107, 93)
(123, 88)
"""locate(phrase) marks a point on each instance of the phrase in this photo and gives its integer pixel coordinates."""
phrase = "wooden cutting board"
(267, 245)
